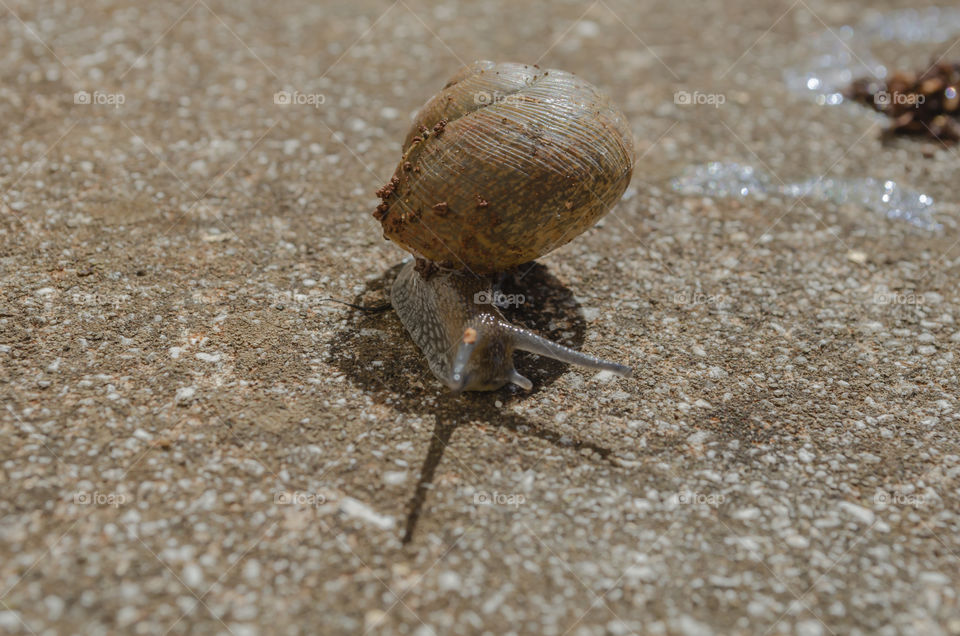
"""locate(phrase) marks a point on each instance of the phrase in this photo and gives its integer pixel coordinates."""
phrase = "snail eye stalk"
(459, 372)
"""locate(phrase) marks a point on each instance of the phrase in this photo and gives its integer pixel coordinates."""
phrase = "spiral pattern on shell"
(505, 164)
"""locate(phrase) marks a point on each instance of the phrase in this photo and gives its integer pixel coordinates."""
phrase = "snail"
(506, 163)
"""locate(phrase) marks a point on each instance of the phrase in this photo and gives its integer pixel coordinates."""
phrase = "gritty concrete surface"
(193, 443)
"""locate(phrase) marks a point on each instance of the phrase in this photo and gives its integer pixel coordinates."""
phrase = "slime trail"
(836, 57)
(718, 179)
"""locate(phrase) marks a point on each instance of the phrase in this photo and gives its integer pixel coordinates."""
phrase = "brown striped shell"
(505, 164)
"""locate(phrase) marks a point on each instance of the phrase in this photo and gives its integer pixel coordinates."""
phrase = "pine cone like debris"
(925, 103)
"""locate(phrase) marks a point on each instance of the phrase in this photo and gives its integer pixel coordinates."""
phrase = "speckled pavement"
(191, 441)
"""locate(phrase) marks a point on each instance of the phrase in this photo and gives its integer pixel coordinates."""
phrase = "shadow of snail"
(404, 382)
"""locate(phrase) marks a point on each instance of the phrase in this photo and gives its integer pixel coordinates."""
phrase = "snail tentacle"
(526, 340)
(520, 381)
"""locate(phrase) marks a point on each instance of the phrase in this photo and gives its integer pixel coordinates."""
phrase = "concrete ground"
(193, 443)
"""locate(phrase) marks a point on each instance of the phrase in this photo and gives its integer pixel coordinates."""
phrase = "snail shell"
(505, 164)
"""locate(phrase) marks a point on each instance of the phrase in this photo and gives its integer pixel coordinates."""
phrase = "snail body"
(505, 164)
(468, 343)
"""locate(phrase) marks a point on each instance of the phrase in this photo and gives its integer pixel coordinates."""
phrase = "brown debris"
(383, 194)
(425, 268)
(925, 104)
(481, 202)
(381, 211)
(386, 191)
(442, 208)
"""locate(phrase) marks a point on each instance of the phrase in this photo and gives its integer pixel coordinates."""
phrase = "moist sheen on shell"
(505, 164)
